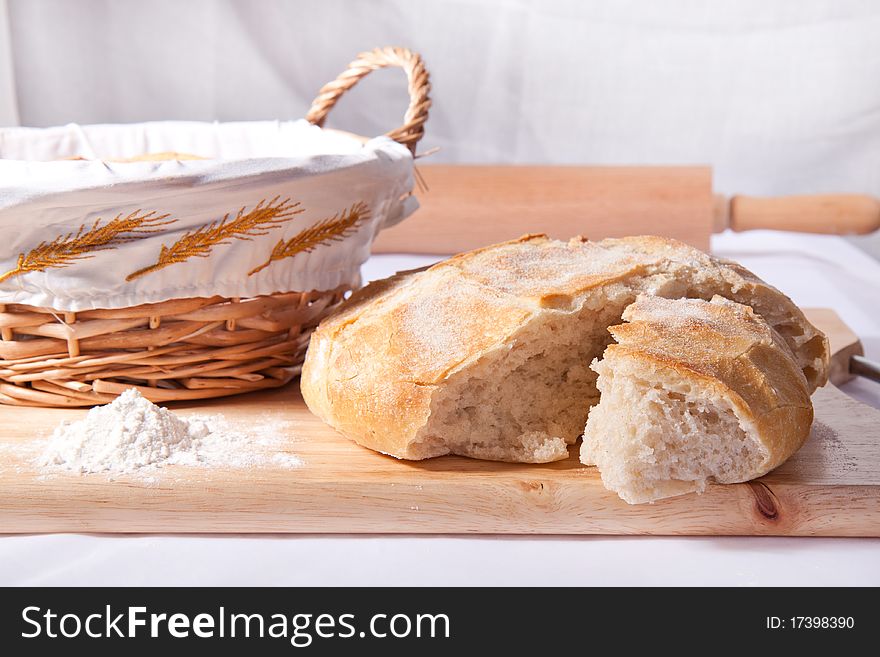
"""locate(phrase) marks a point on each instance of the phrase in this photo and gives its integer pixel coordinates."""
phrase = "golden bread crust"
(373, 366)
(730, 353)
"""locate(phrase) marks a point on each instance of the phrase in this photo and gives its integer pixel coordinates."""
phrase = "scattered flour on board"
(133, 435)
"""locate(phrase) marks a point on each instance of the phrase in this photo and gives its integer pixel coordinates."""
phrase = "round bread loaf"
(693, 392)
(487, 354)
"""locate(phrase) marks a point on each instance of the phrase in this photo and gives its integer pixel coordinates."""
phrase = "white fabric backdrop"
(8, 101)
(780, 96)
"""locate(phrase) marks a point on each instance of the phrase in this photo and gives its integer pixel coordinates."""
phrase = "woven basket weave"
(193, 348)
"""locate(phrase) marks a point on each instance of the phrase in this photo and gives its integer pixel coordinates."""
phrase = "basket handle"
(419, 84)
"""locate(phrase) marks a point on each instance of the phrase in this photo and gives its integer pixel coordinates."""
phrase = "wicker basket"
(191, 348)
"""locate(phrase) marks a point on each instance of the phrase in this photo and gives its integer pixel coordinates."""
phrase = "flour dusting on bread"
(487, 354)
(693, 392)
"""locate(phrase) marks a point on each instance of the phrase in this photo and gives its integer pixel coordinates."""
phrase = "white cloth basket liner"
(316, 175)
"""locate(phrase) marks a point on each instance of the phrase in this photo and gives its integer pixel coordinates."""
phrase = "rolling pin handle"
(861, 366)
(832, 214)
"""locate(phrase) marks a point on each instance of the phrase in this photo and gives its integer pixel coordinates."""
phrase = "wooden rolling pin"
(468, 206)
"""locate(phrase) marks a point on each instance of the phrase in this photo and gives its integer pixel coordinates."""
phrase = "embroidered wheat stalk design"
(198, 243)
(65, 250)
(325, 231)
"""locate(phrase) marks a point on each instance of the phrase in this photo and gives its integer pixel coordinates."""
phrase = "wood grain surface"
(468, 206)
(830, 488)
(830, 214)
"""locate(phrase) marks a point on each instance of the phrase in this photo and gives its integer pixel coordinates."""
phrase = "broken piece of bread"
(487, 354)
(693, 392)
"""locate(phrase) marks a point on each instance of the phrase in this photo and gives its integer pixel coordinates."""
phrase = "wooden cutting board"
(830, 488)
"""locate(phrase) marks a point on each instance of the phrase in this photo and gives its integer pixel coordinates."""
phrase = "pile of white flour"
(132, 434)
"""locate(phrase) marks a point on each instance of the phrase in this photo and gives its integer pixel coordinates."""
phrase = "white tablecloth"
(813, 270)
